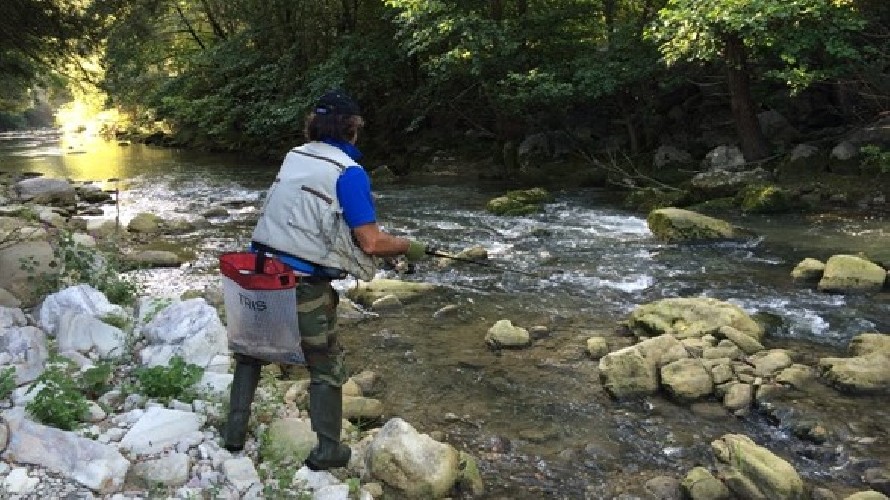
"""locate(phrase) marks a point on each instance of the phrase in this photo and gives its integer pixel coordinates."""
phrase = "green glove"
(416, 251)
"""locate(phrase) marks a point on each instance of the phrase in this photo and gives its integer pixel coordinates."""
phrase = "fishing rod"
(436, 253)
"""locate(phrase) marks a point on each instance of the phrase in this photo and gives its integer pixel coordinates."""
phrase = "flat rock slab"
(97, 466)
(160, 428)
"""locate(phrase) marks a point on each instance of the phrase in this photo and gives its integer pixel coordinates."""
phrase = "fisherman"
(319, 218)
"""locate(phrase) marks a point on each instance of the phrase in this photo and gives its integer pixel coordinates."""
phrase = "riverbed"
(537, 418)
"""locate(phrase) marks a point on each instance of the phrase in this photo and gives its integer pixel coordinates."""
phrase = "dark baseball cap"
(336, 102)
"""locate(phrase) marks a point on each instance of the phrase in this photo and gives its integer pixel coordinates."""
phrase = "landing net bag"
(261, 307)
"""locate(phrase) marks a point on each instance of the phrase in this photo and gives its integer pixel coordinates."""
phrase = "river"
(538, 418)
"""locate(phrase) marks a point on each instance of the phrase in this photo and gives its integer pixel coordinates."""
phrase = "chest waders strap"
(337, 164)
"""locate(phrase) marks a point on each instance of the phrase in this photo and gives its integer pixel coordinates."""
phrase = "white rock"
(160, 428)
(333, 492)
(26, 346)
(171, 470)
(95, 413)
(18, 482)
(81, 332)
(220, 364)
(214, 385)
(241, 473)
(11, 316)
(80, 298)
(314, 480)
(95, 465)
(21, 395)
(190, 329)
(411, 462)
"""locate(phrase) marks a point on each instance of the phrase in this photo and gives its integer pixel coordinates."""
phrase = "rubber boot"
(247, 376)
(326, 413)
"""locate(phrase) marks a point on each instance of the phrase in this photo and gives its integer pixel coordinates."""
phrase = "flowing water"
(537, 418)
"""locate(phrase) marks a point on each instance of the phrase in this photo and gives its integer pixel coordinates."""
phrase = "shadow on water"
(538, 418)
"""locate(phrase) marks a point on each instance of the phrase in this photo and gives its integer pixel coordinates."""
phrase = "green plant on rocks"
(169, 382)
(875, 159)
(81, 264)
(7, 382)
(58, 402)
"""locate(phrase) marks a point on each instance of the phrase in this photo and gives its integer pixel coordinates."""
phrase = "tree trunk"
(754, 145)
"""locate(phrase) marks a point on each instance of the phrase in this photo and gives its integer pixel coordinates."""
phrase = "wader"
(317, 314)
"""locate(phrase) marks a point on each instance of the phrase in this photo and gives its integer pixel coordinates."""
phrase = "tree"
(797, 41)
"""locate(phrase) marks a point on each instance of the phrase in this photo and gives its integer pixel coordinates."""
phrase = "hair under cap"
(336, 102)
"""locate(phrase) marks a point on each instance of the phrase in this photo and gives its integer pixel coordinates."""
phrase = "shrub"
(7, 382)
(59, 402)
(81, 264)
(169, 382)
(96, 381)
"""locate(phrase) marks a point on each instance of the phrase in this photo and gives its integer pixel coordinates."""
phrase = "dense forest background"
(478, 76)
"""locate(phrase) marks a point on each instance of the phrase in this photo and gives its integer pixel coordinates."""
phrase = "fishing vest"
(303, 217)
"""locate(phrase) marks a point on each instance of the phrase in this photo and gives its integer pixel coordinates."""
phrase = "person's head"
(335, 116)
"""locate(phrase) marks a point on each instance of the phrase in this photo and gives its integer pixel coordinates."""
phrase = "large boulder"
(671, 156)
(190, 329)
(868, 371)
(808, 269)
(288, 440)
(776, 127)
(519, 202)
(505, 334)
(850, 273)
(97, 466)
(84, 333)
(634, 371)
(687, 379)
(24, 262)
(145, 223)
(40, 190)
(724, 158)
(82, 299)
(720, 183)
(21, 346)
(752, 471)
(700, 484)
(845, 159)
(678, 225)
(691, 318)
(412, 463)
(804, 160)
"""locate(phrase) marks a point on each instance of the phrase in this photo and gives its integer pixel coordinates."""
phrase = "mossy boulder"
(851, 273)
(808, 269)
(692, 317)
(678, 225)
(145, 223)
(520, 202)
(764, 199)
(752, 471)
(868, 371)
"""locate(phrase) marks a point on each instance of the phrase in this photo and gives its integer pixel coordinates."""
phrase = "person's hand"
(417, 251)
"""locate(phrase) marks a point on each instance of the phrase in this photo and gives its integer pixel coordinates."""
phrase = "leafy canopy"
(801, 41)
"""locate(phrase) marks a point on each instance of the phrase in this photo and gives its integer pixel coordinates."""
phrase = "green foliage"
(96, 381)
(875, 158)
(174, 381)
(7, 382)
(59, 402)
(801, 41)
(120, 321)
(81, 264)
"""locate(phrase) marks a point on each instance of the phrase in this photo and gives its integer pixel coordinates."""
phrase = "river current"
(537, 418)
